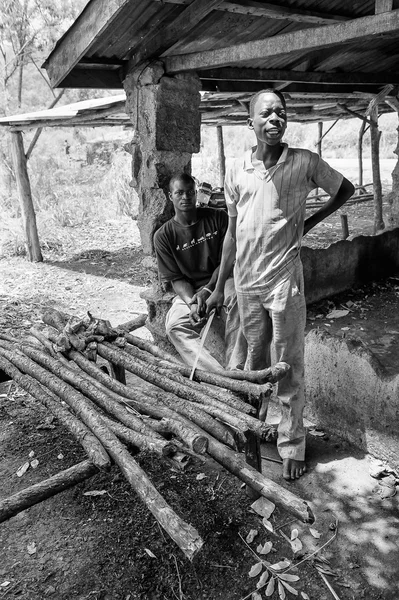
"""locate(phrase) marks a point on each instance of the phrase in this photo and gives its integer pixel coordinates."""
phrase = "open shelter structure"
(334, 60)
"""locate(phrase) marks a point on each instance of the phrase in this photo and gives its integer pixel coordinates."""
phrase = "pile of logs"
(167, 414)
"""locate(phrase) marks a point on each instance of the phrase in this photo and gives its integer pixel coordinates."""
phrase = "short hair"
(255, 97)
(184, 177)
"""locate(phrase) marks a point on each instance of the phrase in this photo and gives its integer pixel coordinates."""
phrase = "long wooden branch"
(153, 395)
(185, 536)
(235, 463)
(175, 373)
(269, 375)
(11, 506)
(84, 385)
(227, 414)
(94, 449)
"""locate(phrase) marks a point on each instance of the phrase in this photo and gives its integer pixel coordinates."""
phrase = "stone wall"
(348, 264)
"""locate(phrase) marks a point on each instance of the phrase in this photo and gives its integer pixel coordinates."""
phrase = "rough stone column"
(167, 122)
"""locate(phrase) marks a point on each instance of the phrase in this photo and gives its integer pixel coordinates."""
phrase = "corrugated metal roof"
(135, 25)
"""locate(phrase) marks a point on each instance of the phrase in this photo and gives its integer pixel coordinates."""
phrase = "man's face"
(183, 196)
(269, 120)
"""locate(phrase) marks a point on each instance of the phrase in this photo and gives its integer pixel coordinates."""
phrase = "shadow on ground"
(365, 552)
(124, 264)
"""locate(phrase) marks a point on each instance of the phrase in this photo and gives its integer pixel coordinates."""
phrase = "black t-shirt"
(191, 252)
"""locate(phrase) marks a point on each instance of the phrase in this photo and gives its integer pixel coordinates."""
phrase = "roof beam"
(83, 33)
(156, 42)
(302, 40)
(272, 11)
(269, 75)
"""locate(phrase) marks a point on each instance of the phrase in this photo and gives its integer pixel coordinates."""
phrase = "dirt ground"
(96, 546)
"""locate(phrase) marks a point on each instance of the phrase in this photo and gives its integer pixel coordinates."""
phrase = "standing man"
(266, 194)
(188, 248)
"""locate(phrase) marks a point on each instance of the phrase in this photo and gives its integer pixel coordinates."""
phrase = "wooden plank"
(302, 40)
(272, 11)
(154, 45)
(91, 23)
(382, 6)
(25, 198)
(244, 74)
(320, 90)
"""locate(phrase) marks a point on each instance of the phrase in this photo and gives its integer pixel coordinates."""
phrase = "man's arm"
(185, 290)
(228, 257)
(345, 191)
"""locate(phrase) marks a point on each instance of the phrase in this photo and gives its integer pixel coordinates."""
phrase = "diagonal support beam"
(302, 40)
(164, 37)
(95, 18)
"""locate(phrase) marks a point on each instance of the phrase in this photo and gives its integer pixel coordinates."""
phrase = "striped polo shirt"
(270, 208)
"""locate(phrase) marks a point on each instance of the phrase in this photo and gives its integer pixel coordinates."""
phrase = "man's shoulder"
(212, 214)
(164, 231)
(302, 152)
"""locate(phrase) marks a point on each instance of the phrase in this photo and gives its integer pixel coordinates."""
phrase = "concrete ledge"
(349, 393)
(348, 264)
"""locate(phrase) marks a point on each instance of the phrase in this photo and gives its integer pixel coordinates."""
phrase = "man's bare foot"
(293, 469)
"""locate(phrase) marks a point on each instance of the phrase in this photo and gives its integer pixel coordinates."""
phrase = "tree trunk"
(25, 198)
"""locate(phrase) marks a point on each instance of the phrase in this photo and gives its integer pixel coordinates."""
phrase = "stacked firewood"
(76, 369)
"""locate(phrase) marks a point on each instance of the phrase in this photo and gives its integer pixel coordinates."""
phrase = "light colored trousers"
(186, 337)
(279, 317)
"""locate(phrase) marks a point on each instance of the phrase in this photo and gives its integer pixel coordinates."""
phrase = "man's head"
(268, 116)
(182, 192)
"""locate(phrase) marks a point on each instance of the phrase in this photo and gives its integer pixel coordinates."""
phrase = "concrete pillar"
(167, 130)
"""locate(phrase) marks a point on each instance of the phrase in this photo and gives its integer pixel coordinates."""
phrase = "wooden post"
(360, 152)
(221, 156)
(318, 146)
(25, 197)
(344, 226)
(375, 164)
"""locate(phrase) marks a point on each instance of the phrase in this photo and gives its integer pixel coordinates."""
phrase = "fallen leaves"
(263, 507)
(251, 536)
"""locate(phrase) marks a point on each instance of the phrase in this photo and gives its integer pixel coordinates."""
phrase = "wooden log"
(360, 151)
(39, 335)
(100, 397)
(25, 198)
(269, 375)
(140, 441)
(240, 421)
(93, 392)
(11, 506)
(133, 324)
(152, 394)
(185, 536)
(92, 446)
(235, 463)
(177, 372)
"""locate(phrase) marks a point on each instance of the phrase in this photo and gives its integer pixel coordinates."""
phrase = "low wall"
(349, 393)
(348, 264)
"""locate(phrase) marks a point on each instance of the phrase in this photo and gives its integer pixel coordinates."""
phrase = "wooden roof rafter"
(302, 40)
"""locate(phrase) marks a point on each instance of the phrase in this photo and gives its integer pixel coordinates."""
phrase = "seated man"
(188, 249)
